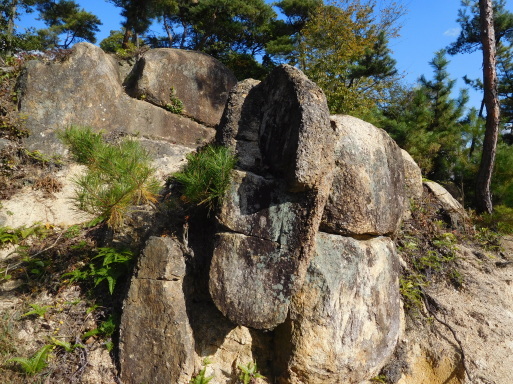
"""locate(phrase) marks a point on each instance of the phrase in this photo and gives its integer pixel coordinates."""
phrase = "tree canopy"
(66, 23)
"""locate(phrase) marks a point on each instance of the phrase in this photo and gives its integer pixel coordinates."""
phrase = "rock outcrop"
(367, 196)
(155, 318)
(346, 319)
(272, 211)
(200, 82)
(86, 89)
(168, 329)
(299, 273)
(454, 213)
(332, 300)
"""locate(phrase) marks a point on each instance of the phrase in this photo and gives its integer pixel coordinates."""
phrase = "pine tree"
(445, 116)
(344, 49)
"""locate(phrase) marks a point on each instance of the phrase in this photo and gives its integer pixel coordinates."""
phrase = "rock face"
(367, 196)
(274, 212)
(412, 177)
(155, 319)
(346, 319)
(199, 81)
(168, 328)
(86, 89)
(448, 204)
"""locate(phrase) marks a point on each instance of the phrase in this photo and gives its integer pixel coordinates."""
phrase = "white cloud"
(452, 32)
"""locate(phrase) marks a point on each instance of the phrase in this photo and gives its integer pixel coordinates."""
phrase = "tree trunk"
(126, 38)
(491, 97)
(168, 30)
(10, 27)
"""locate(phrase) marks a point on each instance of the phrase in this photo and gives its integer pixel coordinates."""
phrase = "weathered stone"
(448, 204)
(227, 346)
(240, 125)
(280, 128)
(263, 259)
(251, 280)
(412, 177)
(201, 82)
(368, 194)
(261, 208)
(295, 135)
(155, 321)
(413, 183)
(346, 320)
(86, 90)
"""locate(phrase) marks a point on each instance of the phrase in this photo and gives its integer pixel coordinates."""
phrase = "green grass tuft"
(206, 176)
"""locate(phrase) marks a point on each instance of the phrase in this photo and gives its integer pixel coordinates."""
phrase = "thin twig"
(51, 246)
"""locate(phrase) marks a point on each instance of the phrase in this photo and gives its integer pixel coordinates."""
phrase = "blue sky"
(427, 27)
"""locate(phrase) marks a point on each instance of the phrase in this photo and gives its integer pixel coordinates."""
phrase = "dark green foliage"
(119, 175)
(206, 176)
(106, 328)
(66, 22)
(428, 122)
(66, 19)
(108, 265)
(469, 39)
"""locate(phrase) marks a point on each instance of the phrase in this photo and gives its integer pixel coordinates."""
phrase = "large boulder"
(275, 209)
(86, 89)
(168, 328)
(199, 81)
(346, 320)
(368, 192)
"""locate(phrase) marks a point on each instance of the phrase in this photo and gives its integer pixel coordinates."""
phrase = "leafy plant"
(8, 236)
(206, 176)
(68, 347)
(118, 177)
(34, 364)
(15, 235)
(39, 310)
(249, 372)
(410, 287)
(112, 264)
(108, 265)
(175, 105)
(382, 379)
(105, 330)
(200, 378)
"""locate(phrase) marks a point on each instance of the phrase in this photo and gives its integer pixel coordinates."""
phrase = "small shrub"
(200, 378)
(206, 176)
(105, 331)
(118, 177)
(410, 287)
(501, 219)
(249, 373)
(35, 364)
